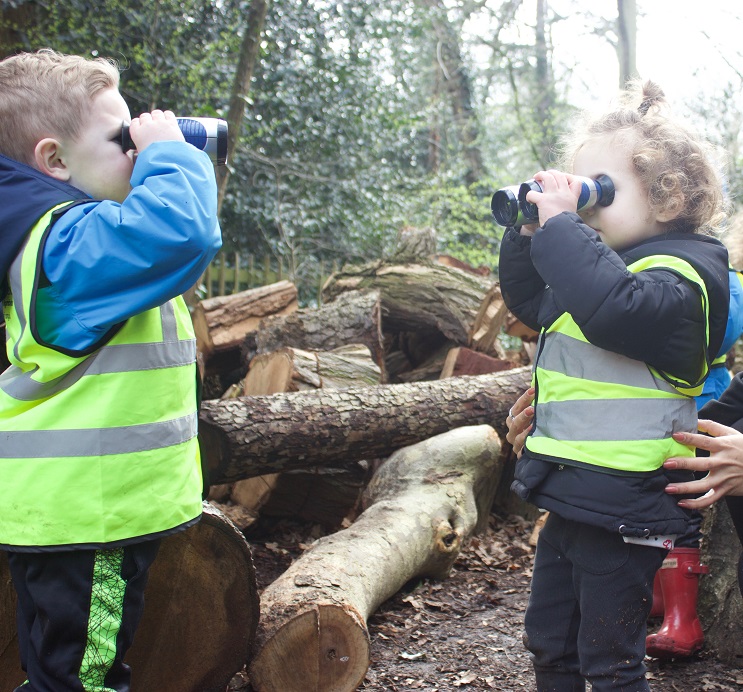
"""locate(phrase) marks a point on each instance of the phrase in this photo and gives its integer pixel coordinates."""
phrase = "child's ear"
(671, 209)
(48, 159)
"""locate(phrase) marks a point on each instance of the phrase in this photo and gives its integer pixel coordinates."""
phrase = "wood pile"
(378, 414)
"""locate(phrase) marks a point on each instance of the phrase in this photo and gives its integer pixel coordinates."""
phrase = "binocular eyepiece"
(207, 134)
(510, 208)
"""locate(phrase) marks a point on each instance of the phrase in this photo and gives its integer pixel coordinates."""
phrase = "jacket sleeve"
(654, 316)
(106, 261)
(521, 285)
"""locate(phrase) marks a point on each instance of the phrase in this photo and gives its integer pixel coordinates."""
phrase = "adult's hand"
(724, 465)
(519, 419)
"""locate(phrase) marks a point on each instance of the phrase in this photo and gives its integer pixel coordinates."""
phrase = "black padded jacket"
(654, 316)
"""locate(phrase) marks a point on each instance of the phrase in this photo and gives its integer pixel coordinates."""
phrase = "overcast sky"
(689, 47)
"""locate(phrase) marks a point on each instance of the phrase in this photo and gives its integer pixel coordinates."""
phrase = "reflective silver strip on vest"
(597, 419)
(109, 359)
(576, 358)
(26, 444)
(168, 321)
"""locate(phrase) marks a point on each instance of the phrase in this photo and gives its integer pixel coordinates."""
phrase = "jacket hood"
(25, 196)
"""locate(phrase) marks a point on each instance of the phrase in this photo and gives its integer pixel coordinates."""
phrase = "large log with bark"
(251, 436)
(425, 297)
(422, 503)
(352, 319)
(222, 323)
(200, 617)
(319, 494)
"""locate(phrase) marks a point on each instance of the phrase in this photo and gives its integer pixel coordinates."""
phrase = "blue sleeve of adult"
(107, 261)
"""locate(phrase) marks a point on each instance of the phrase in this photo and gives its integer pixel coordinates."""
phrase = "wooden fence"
(231, 273)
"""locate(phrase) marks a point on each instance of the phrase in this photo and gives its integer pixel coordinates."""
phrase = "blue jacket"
(719, 376)
(107, 261)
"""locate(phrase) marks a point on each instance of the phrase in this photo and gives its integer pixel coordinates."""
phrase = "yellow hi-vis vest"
(100, 448)
(603, 409)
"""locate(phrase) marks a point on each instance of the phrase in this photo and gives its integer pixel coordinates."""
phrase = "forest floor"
(464, 633)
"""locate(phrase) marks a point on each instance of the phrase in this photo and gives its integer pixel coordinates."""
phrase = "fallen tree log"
(319, 494)
(251, 436)
(352, 319)
(421, 505)
(422, 297)
(200, 617)
(221, 323)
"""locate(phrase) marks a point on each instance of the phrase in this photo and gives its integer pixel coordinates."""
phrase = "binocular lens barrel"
(510, 207)
(207, 134)
(505, 206)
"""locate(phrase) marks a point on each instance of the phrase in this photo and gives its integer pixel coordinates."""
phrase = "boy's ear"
(48, 159)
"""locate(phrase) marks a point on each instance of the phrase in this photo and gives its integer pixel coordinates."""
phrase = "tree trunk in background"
(457, 83)
(421, 505)
(720, 606)
(251, 436)
(627, 44)
(241, 85)
(545, 96)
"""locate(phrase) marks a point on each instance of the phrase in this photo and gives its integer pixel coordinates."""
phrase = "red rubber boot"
(657, 610)
(681, 632)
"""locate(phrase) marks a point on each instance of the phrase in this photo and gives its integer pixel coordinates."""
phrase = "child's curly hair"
(678, 167)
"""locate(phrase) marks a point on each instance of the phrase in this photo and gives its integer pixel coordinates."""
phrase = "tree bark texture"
(250, 436)
(294, 369)
(200, 617)
(351, 319)
(422, 503)
(221, 323)
(720, 606)
(256, 18)
(421, 297)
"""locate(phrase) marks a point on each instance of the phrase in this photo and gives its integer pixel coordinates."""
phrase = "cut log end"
(325, 649)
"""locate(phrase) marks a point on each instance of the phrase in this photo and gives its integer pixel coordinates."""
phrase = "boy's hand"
(157, 126)
(560, 192)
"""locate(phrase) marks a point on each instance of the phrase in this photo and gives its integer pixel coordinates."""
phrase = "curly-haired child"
(631, 300)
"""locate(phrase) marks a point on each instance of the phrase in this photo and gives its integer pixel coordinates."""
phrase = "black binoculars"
(510, 208)
(207, 134)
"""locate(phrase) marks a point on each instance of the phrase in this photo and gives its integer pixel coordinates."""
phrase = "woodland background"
(352, 119)
(352, 123)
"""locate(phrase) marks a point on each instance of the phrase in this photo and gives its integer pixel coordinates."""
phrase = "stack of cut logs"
(379, 411)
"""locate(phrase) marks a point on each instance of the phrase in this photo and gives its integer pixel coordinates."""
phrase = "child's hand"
(560, 192)
(157, 126)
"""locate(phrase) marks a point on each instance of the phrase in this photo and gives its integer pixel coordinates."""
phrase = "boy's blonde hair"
(47, 94)
(677, 167)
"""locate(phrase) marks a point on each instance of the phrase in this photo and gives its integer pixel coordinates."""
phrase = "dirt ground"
(464, 633)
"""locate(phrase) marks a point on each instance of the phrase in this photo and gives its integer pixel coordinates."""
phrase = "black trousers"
(590, 597)
(77, 614)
